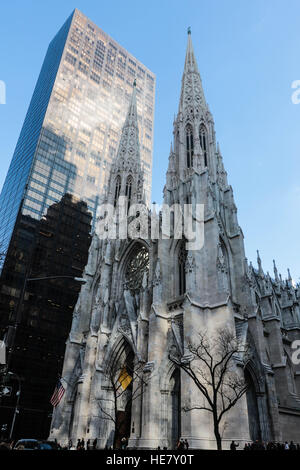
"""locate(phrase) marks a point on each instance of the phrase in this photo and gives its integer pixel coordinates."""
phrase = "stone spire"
(260, 269)
(194, 135)
(129, 146)
(126, 175)
(191, 86)
(221, 172)
(275, 271)
(290, 281)
(171, 172)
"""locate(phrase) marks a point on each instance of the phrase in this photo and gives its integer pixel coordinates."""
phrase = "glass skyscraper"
(72, 127)
(50, 196)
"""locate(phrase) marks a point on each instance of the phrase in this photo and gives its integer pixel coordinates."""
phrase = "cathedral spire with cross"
(194, 136)
(192, 93)
(126, 175)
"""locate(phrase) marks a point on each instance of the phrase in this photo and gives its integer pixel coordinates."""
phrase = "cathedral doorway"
(253, 413)
(175, 398)
(123, 395)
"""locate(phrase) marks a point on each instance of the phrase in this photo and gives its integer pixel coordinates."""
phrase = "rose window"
(137, 265)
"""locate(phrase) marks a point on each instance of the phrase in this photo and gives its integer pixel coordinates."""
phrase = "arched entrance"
(122, 383)
(175, 398)
(253, 413)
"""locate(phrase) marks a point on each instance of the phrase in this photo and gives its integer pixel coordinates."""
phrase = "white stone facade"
(140, 300)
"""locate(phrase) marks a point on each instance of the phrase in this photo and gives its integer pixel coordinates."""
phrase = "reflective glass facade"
(72, 128)
(57, 175)
(82, 125)
(35, 322)
(18, 173)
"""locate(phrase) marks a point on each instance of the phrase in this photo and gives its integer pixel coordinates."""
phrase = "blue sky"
(248, 56)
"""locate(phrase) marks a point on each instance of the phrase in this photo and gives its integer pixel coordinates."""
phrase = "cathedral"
(146, 296)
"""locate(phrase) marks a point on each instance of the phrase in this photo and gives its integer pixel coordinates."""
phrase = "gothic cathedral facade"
(143, 297)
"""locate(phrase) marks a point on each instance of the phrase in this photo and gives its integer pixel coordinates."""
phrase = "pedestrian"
(181, 444)
(256, 445)
(262, 446)
(88, 446)
(123, 443)
(95, 444)
(233, 445)
(78, 444)
(292, 446)
(286, 446)
(186, 444)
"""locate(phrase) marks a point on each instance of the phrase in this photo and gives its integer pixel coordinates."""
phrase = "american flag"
(57, 394)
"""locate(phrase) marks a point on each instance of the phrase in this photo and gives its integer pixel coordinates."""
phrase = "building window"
(117, 190)
(182, 254)
(189, 146)
(203, 142)
(128, 190)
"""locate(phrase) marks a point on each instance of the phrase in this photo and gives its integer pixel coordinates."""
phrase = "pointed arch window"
(223, 267)
(137, 265)
(203, 142)
(128, 191)
(177, 142)
(182, 255)
(189, 146)
(117, 189)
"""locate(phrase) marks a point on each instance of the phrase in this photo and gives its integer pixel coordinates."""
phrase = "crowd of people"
(82, 445)
(260, 445)
(181, 444)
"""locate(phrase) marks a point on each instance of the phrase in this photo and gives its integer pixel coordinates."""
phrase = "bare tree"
(210, 363)
(127, 384)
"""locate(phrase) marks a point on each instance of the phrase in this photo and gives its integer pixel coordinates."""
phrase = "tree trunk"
(115, 421)
(217, 433)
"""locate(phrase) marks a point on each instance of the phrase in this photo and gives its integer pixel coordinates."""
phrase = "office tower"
(73, 123)
(60, 166)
